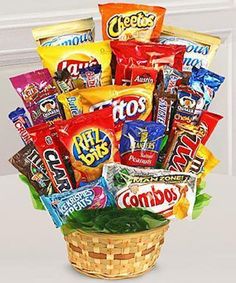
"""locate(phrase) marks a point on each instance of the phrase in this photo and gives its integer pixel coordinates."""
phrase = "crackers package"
(131, 21)
(129, 102)
(76, 59)
(200, 47)
(67, 33)
(90, 141)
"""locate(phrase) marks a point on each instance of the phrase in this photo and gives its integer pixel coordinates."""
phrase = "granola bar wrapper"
(171, 194)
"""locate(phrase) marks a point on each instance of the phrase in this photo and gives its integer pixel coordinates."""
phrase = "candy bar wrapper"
(203, 163)
(207, 124)
(68, 33)
(182, 148)
(91, 76)
(200, 47)
(172, 78)
(171, 194)
(140, 143)
(28, 162)
(121, 21)
(77, 58)
(129, 102)
(64, 81)
(21, 122)
(207, 83)
(52, 156)
(90, 196)
(90, 141)
(71, 103)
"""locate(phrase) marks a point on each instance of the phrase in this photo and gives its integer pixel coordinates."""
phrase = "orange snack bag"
(124, 21)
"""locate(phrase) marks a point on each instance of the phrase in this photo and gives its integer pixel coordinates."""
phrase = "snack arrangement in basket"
(117, 158)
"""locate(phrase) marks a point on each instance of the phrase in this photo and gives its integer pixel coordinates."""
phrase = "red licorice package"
(131, 54)
(207, 123)
(48, 148)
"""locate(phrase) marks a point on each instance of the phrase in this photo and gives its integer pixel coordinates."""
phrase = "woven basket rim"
(118, 235)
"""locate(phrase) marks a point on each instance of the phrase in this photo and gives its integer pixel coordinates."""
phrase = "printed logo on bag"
(72, 106)
(145, 78)
(54, 165)
(72, 39)
(120, 23)
(92, 147)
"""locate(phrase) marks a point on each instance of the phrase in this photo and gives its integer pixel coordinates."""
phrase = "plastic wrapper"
(140, 143)
(125, 21)
(64, 81)
(93, 196)
(171, 194)
(67, 33)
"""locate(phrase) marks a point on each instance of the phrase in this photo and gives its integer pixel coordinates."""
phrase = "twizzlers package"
(171, 194)
(90, 141)
(122, 21)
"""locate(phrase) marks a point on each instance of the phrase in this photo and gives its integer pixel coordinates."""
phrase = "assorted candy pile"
(119, 123)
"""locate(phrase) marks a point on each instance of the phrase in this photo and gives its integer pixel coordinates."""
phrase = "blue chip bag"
(93, 195)
(140, 143)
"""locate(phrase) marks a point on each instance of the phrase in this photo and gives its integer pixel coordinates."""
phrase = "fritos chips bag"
(171, 194)
(129, 103)
(77, 58)
(131, 21)
(90, 141)
(200, 47)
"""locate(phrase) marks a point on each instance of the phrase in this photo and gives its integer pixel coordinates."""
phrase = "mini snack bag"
(140, 143)
(200, 47)
(48, 148)
(68, 33)
(64, 81)
(129, 103)
(171, 194)
(71, 102)
(131, 21)
(77, 58)
(28, 162)
(90, 141)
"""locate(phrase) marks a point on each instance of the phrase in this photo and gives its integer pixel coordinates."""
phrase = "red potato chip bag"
(130, 54)
(91, 142)
(125, 21)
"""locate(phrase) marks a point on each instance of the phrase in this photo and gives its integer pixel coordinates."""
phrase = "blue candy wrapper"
(140, 143)
(91, 76)
(21, 122)
(205, 82)
(91, 196)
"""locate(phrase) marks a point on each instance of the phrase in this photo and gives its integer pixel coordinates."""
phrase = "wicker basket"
(115, 256)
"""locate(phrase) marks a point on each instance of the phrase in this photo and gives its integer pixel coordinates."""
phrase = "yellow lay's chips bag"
(203, 163)
(71, 103)
(129, 102)
(80, 60)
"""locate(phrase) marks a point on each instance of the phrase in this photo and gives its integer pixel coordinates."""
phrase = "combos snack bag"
(93, 195)
(131, 21)
(90, 141)
(129, 103)
(171, 194)
(200, 47)
(132, 56)
(78, 60)
(140, 143)
(68, 33)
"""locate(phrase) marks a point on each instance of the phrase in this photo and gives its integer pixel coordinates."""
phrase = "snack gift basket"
(116, 144)
(115, 256)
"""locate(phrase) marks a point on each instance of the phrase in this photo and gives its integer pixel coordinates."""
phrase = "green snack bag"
(35, 198)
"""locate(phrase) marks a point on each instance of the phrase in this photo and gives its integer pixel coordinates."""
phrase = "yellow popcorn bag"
(67, 33)
(78, 60)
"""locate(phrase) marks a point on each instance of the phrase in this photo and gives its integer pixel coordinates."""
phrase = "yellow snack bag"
(67, 33)
(79, 60)
(129, 102)
(200, 47)
(203, 163)
(71, 103)
(180, 209)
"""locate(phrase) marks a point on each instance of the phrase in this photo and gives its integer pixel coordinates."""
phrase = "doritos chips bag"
(129, 103)
(90, 141)
(131, 21)
(77, 58)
